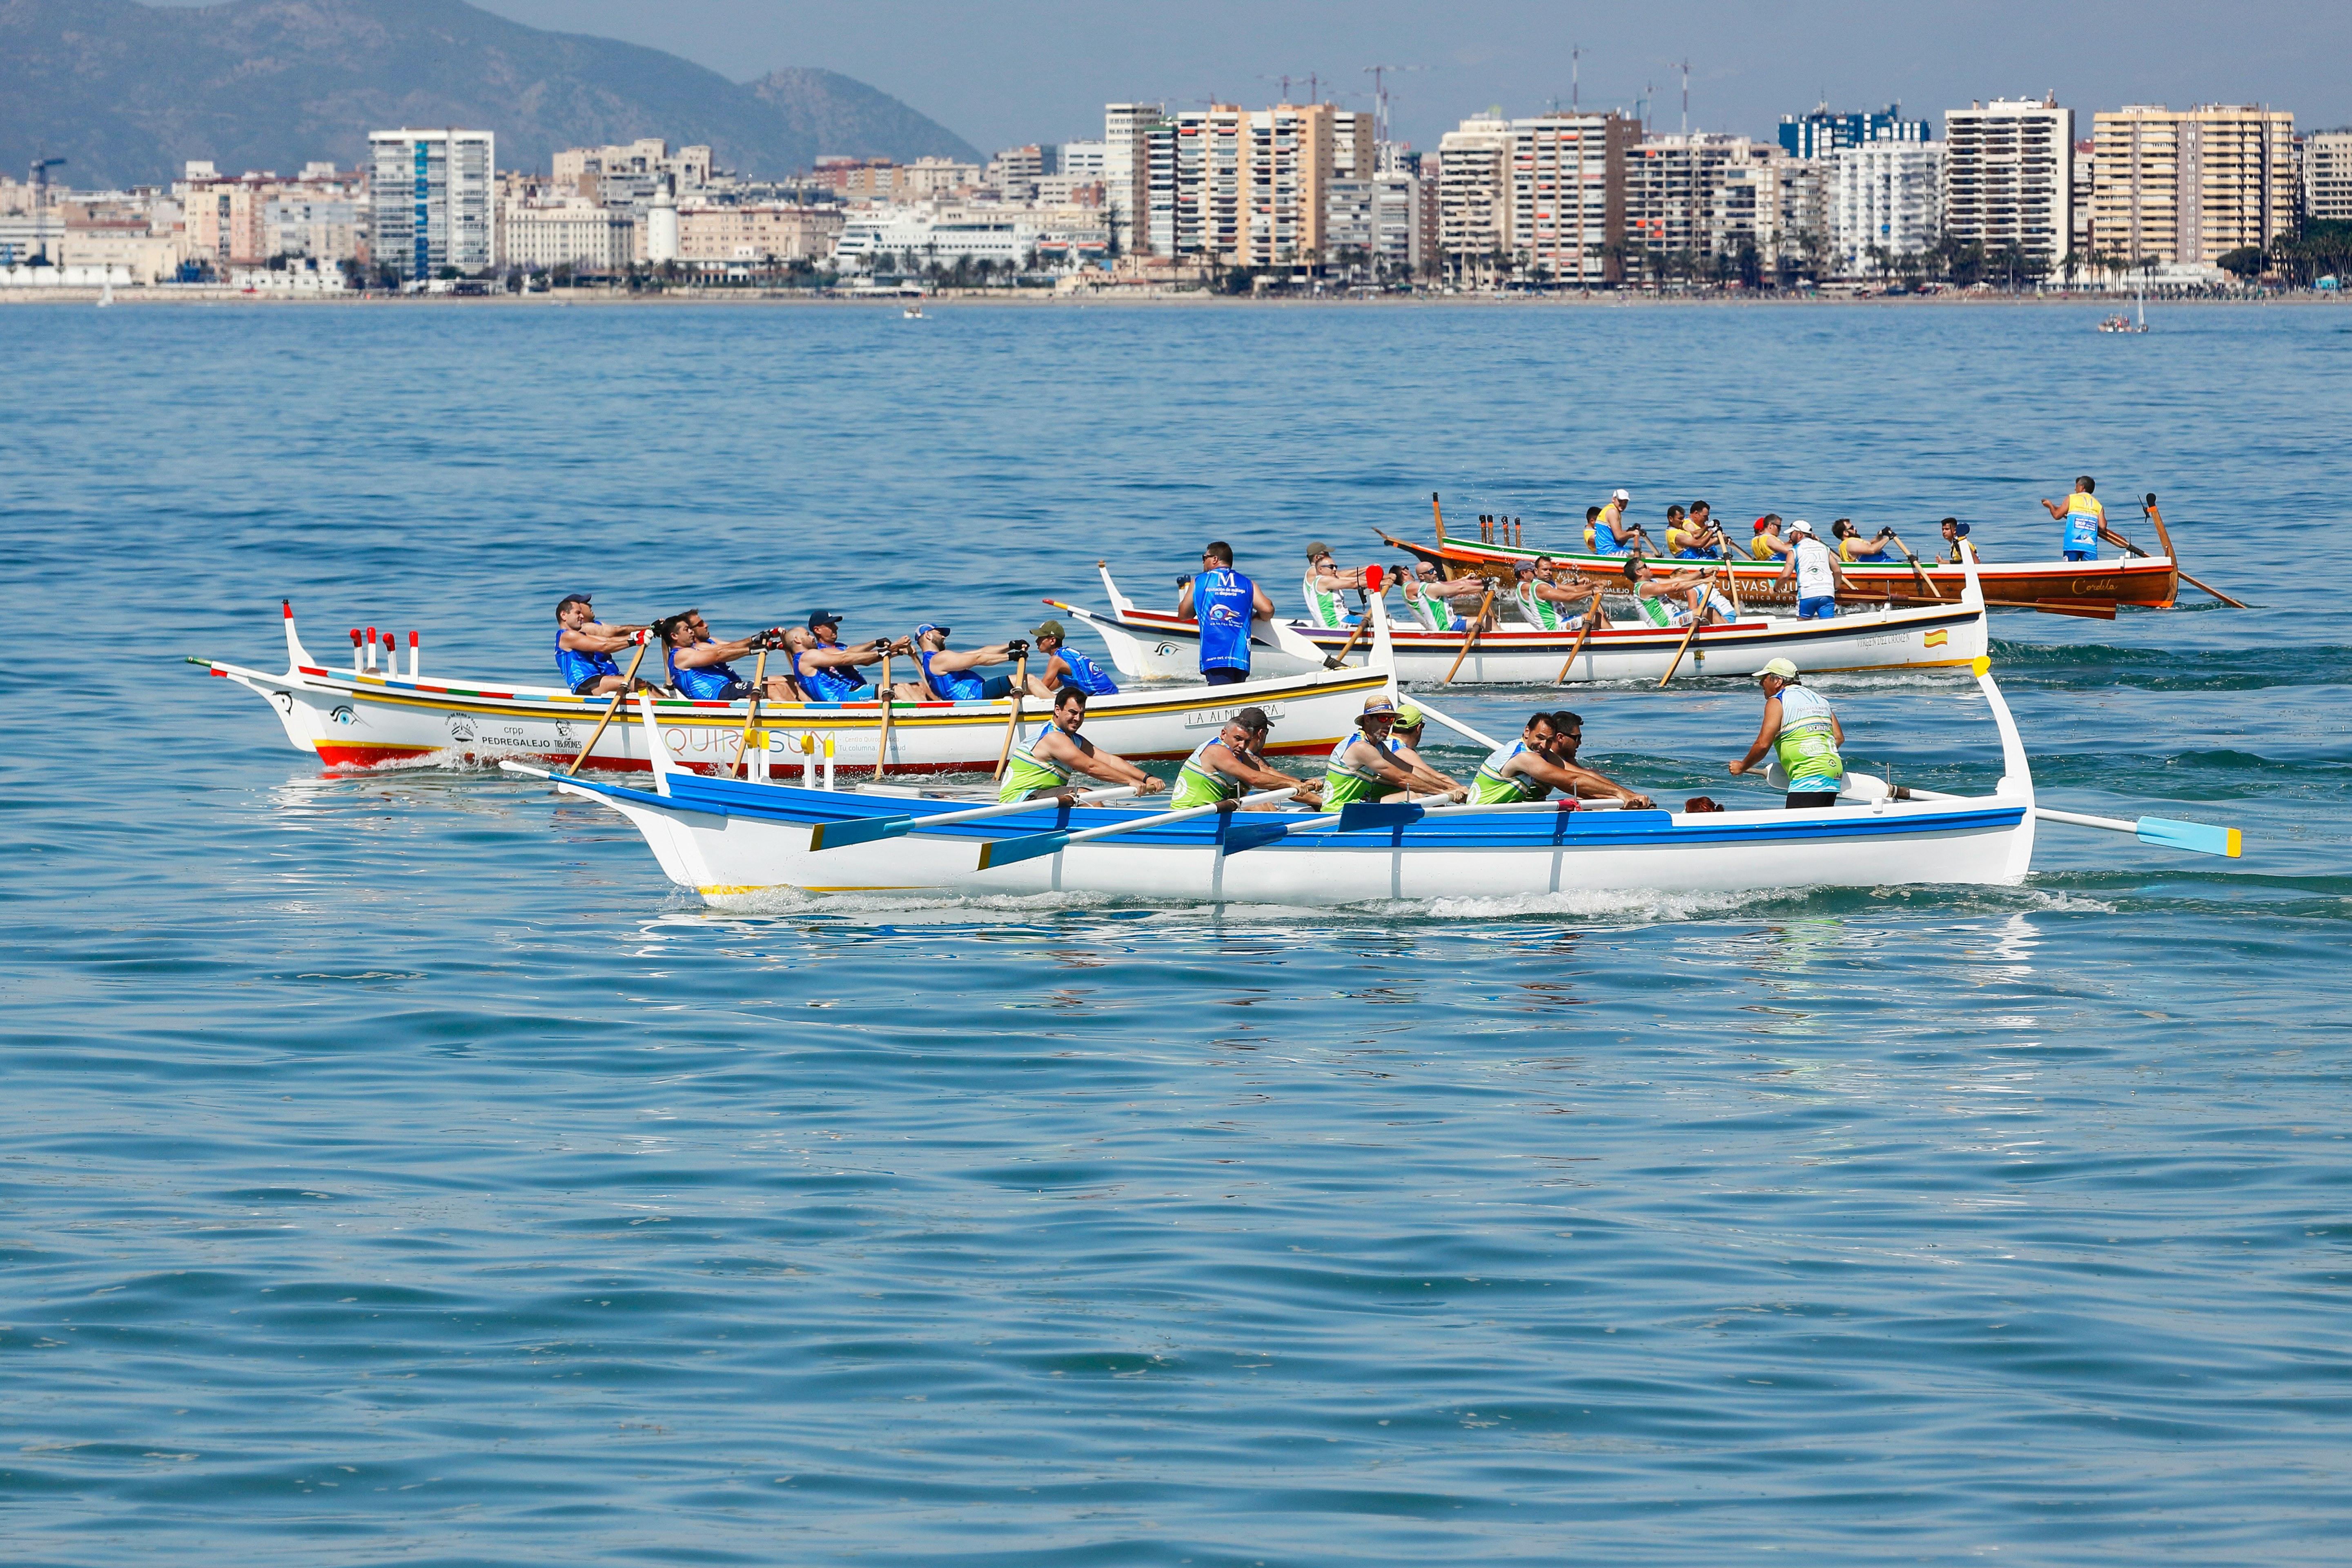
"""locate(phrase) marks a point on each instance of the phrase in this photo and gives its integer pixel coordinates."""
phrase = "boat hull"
(350, 720)
(2150, 581)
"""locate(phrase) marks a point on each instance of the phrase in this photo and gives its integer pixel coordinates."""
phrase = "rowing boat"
(366, 717)
(1160, 645)
(733, 842)
(2151, 581)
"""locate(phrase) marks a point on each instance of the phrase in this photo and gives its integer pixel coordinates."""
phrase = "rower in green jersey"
(1543, 599)
(1233, 763)
(1531, 767)
(1404, 745)
(1802, 729)
(1361, 766)
(1042, 764)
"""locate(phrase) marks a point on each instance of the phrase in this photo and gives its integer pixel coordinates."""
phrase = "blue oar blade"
(1005, 851)
(1373, 814)
(840, 835)
(2198, 837)
(1239, 836)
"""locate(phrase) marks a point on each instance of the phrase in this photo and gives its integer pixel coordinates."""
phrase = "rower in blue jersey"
(584, 648)
(826, 668)
(697, 661)
(946, 675)
(2085, 518)
(1065, 666)
(1224, 602)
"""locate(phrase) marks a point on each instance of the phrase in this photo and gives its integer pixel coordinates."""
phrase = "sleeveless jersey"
(1541, 614)
(1028, 770)
(951, 685)
(824, 685)
(1815, 580)
(1433, 612)
(1199, 785)
(1324, 609)
(1611, 532)
(1221, 604)
(576, 667)
(2085, 518)
(1085, 675)
(1492, 786)
(1807, 745)
(708, 684)
(1343, 781)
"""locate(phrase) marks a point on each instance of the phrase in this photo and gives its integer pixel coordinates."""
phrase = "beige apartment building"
(756, 232)
(573, 232)
(1693, 194)
(243, 220)
(631, 168)
(2328, 175)
(1552, 195)
(2191, 186)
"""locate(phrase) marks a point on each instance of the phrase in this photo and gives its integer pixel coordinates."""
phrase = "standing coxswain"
(2084, 517)
(1042, 764)
(1802, 727)
(1813, 566)
(1223, 603)
(1232, 763)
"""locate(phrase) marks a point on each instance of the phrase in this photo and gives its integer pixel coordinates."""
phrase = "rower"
(1591, 529)
(1223, 603)
(1065, 666)
(1232, 763)
(1804, 729)
(1650, 591)
(697, 662)
(1768, 545)
(948, 678)
(1361, 763)
(2085, 518)
(1529, 768)
(1877, 550)
(1612, 536)
(826, 668)
(1404, 745)
(584, 648)
(1430, 599)
(1325, 582)
(1592, 783)
(1955, 533)
(1815, 570)
(1042, 764)
(1538, 597)
(1699, 539)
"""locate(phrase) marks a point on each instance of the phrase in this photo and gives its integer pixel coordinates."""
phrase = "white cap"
(1801, 526)
(1620, 495)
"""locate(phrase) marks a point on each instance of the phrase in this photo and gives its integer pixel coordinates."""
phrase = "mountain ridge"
(271, 84)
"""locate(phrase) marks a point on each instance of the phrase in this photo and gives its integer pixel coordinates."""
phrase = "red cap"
(1759, 525)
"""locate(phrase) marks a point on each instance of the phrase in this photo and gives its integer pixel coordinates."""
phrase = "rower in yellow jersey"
(2085, 519)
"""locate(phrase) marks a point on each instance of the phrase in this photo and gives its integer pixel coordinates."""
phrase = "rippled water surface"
(398, 1170)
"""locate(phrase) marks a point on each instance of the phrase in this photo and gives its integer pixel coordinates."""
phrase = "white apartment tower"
(1885, 201)
(1473, 202)
(433, 196)
(2327, 176)
(2009, 177)
(1128, 131)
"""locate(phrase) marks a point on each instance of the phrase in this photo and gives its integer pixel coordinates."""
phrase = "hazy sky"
(1024, 70)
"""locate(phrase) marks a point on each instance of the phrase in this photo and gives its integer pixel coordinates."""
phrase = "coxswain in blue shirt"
(1224, 602)
(584, 648)
(697, 661)
(2084, 517)
(1065, 666)
(946, 675)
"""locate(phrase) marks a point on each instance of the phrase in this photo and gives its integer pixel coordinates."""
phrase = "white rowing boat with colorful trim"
(1161, 645)
(366, 717)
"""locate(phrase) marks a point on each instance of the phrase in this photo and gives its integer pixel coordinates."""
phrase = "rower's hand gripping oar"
(644, 640)
(1006, 851)
(842, 835)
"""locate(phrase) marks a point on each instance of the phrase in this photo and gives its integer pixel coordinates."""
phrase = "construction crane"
(40, 178)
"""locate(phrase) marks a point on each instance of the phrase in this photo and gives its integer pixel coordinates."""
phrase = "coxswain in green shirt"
(1232, 763)
(1801, 726)
(1042, 764)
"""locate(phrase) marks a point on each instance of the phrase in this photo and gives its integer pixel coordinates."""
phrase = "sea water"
(398, 1169)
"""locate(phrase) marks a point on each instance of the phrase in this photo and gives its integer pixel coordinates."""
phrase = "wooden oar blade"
(1362, 815)
(842, 835)
(1007, 851)
(2198, 837)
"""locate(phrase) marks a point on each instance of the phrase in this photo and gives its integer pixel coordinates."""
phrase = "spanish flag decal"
(1938, 637)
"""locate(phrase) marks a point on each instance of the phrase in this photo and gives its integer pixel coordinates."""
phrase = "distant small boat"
(914, 312)
(107, 297)
(2119, 323)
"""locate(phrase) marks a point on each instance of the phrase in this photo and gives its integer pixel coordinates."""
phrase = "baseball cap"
(1047, 629)
(823, 619)
(1801, 526)
(1779, 667)
(1619, 495)
(1316, 551)
(569, 599)
(1408, 716)
(1253, 720)
(1523, 566)
(928, 627)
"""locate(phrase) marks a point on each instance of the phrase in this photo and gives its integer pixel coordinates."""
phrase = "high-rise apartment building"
(2084, 163)
(1129, 131)
(1376, 223)
(1886, 202)
(1819, 133)
(1548, 196)
(432, 199)
(1680, 197)
(1473, 202)
(2191, 185)
(1354, 154)
(2008, 178)
(2327, 176)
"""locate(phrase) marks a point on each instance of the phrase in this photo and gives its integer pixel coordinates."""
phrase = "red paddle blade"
(1372, 579)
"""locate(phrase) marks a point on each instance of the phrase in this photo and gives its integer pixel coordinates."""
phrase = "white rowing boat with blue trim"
(1161, 645)
(373, 716)
(733, 842)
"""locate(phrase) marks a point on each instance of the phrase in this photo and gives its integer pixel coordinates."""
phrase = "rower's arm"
(709, 653)
(1092, 760)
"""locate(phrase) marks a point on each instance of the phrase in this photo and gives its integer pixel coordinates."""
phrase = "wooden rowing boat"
(366, 718)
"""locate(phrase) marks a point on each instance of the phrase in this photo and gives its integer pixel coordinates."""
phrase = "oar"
(1005, 851)
(1456, 725)
(2148, 506)
(840, 835)
(882, 747)
(1477, 625)
(1592, 615)
(1921, 573)
(1698, 618)
(751, 713)
(1374, 581)
(2087, 608)
(2198, 837)
(613, 707)
(1012, 723)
